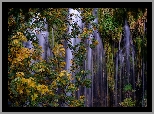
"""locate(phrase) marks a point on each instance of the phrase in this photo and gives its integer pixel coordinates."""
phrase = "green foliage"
(128, 87)
(49, 77)
(23, 85)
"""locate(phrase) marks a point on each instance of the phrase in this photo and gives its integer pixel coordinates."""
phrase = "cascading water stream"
(89, 67)
(74, 18)
(116, 81)
(125, 69)
(120, 73)
(99, 78)
(127, 47)
(133, 71)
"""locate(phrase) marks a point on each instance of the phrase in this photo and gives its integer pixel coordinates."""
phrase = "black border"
(6, 5)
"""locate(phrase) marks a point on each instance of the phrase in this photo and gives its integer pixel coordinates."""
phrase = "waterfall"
(74, 19)
(127, 47)
(99, 78)
(120, 74)
(116, 81)
(118, 69)
(88, 91)
(125, 69)
(42, 37)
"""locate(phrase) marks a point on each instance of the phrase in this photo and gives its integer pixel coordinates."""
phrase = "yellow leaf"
(29, 81)
(34, 96)
(62, 49)
(24, 39)
(20, 91)
(27, 91)
(15, 41)
(41, 70)
(62, 64)
(32, 84)
(9, 59)
(23, 80)
(54, 84)
(69, 76)
(39, 87)
(61, 74)
(96, 43)
(51, 93)
(19, 74)
(26, 55)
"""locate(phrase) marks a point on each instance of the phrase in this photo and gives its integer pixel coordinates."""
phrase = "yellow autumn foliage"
(19, 74)
(31, 85)
(19, 37)
(20, 89)
(59, 50)
(62, 64)
(34, 96)
(96, 43)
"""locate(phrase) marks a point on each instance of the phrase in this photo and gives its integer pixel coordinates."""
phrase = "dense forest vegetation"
(77, 57)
